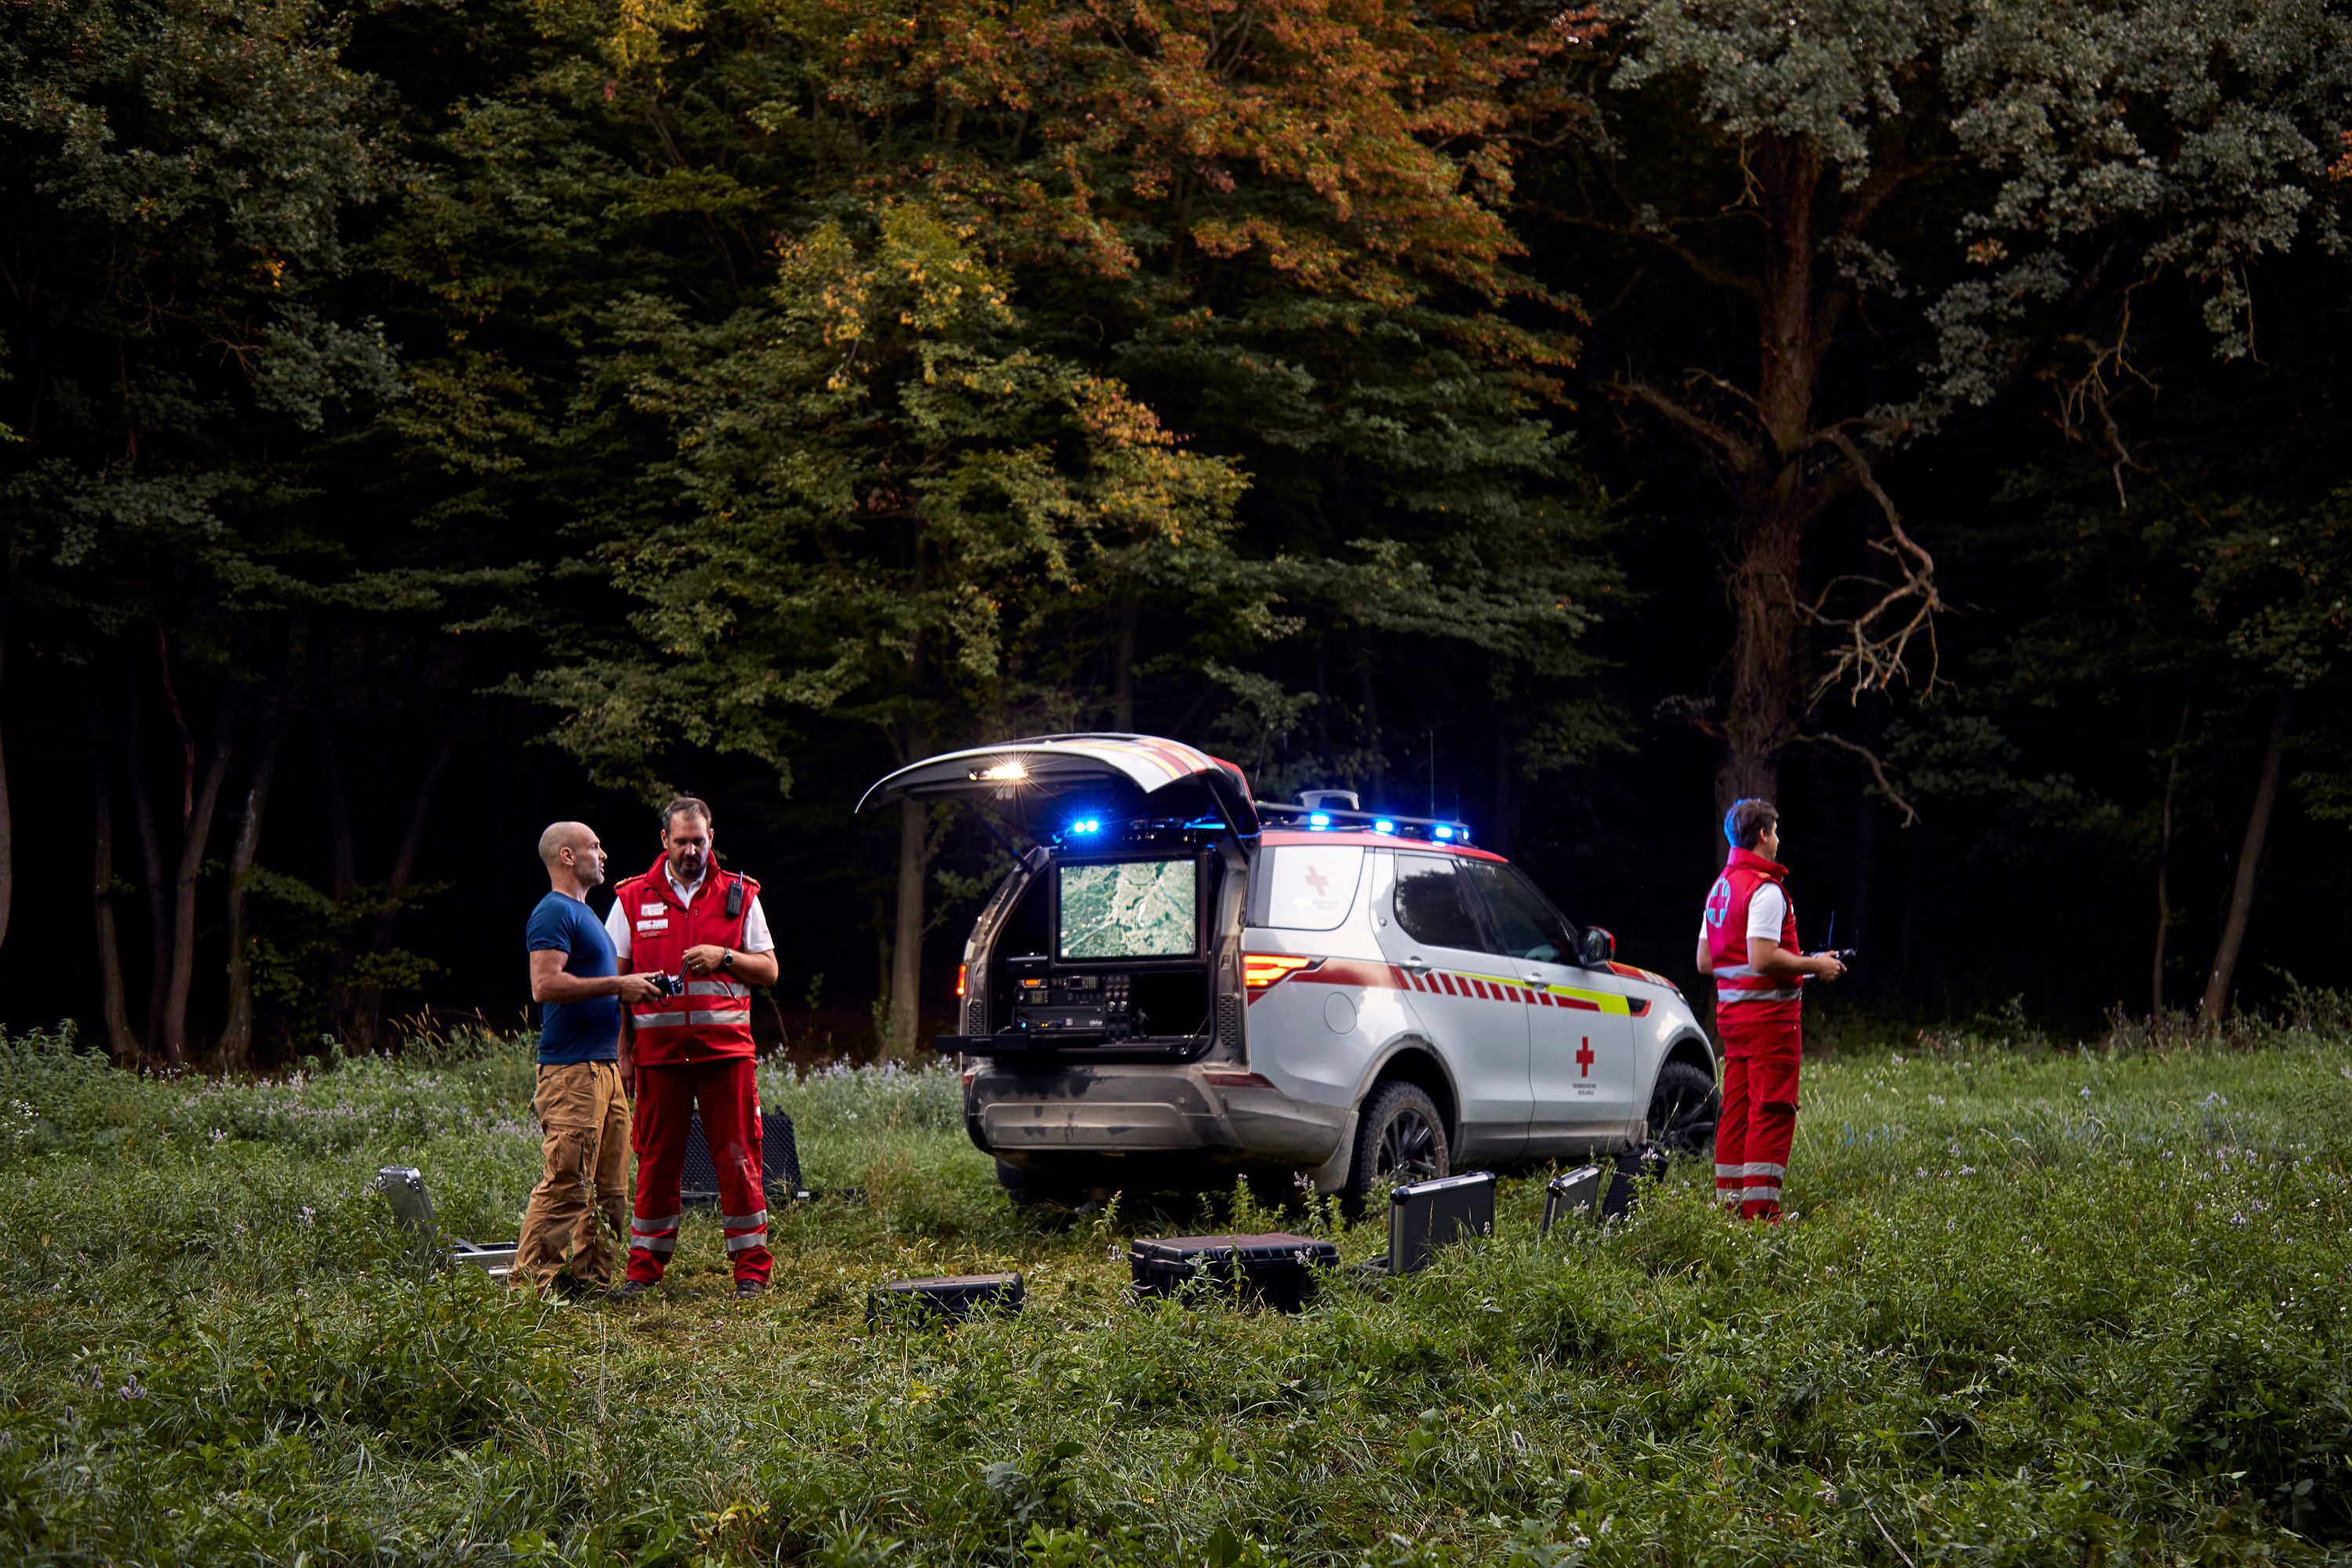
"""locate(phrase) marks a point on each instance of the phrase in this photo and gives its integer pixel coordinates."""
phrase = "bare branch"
(1877, 769)
(2109, 365)
(1742, 455)
(1874, 656)
(1747, 287)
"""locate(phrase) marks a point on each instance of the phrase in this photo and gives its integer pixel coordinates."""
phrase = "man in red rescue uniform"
(1747, 941)
(688, 918)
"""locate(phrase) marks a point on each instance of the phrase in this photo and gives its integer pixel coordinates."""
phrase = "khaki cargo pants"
(580, 1207)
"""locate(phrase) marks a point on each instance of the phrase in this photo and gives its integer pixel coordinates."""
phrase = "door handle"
(1416, 962)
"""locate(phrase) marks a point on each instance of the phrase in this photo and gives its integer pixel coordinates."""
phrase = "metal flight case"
(1572, 1193)
(1426, 1215)
(1275, 1268)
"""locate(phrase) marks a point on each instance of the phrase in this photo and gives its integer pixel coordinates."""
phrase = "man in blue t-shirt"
(582, 1097)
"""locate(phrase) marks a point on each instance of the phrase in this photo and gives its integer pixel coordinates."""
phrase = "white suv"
(1178, 982)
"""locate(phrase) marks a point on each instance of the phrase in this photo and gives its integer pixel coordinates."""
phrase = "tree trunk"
(172, 1036)
(122, 1044)
(907, 939)
(150, 847)
(1763, 662)
(342, 853)
(367, 1001)
(1775, 496)
(2250, 859)
(1122, 663)
(7, 819)
(1496, 835)
(1868, 820)
(2163, 869)
(237, 1033)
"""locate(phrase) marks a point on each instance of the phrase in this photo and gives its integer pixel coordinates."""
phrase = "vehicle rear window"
(1311, 886)
(1432, 903)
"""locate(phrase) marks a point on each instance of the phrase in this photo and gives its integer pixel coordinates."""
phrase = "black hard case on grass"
(1426, 1215)
(1271, 1268)
(947, 1300)
(1636, 1167)
(780, 1162)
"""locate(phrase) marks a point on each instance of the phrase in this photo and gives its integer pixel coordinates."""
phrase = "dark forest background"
(422, 421)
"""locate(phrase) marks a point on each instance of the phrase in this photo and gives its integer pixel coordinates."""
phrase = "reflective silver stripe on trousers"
(746, 1243)
(1729, 1172)
(653, 1226)
(1757, 1191)
(716, 988)
(744, 1221)
(653, 1243)
(1766, 1168)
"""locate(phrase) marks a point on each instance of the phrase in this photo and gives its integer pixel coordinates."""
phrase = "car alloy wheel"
(1683, 1109)
(1400, 1138)
(1409, 1149)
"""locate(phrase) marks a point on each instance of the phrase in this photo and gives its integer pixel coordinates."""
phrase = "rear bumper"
(1035, 1118)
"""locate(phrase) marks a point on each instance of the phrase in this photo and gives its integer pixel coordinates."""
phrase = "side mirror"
(1599, 947)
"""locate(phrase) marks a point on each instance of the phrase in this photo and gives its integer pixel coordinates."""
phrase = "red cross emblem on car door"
(1585, 1057)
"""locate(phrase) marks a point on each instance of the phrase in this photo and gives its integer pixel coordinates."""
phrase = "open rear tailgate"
(1054, 765)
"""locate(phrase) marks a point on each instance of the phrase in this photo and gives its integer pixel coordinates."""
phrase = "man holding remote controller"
(1747, 941)
(580, 1097)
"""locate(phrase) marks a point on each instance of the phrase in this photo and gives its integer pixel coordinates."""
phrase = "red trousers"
(1759, 1111)
(730, 1098)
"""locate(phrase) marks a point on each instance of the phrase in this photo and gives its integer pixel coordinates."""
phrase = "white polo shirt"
(755, 920)
(1768, 906)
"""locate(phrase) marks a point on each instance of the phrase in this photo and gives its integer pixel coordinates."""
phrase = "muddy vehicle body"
(1178, 982)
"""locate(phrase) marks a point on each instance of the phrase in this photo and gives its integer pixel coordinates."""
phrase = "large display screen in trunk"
(1130, 909)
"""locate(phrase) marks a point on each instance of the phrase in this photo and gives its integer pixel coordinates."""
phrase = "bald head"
(573, 857)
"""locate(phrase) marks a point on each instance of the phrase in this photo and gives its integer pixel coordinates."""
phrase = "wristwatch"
(727, 959)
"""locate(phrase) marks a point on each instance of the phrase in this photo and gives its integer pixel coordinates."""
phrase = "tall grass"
(2043, 1305)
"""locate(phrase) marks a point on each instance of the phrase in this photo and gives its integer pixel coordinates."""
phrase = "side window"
(1432, 903)
(1027, 926)
(1311, 886)
(1530, 930)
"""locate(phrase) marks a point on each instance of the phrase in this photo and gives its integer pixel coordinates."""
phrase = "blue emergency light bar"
(1335, 819)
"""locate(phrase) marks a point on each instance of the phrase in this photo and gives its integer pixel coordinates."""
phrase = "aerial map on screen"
(1136, 909)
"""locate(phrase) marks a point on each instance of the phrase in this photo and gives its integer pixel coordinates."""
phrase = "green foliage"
(2041, 1293)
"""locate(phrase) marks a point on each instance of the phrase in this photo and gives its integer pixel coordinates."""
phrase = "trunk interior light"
(1260, 969)
(964, 972)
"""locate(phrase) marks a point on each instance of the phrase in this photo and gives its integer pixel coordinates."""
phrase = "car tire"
(1685, 1105)
(1400, 1138)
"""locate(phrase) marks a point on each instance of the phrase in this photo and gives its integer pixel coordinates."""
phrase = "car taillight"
(962, 972)
(1260, 969)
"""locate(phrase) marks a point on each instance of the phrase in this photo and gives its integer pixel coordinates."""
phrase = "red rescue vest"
(713, 1019)
(1737, 988)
